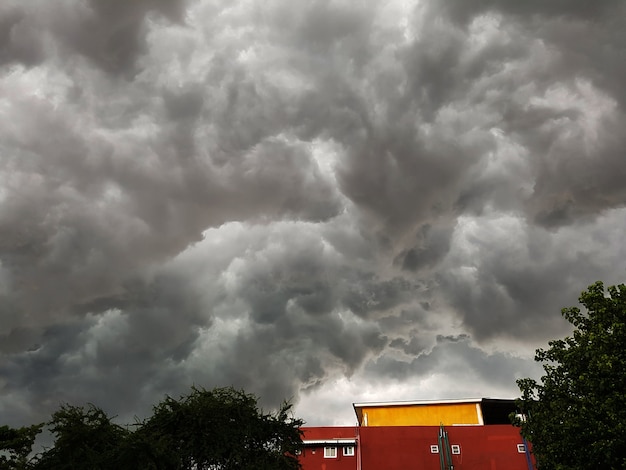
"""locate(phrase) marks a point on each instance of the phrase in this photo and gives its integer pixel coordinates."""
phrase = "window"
(348, 450)
(434, 449)
(330, 452)
(456, 449)
(521, 448)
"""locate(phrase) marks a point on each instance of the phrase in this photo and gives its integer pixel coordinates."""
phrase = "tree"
(85, 438)
(576, 416)
(220, 429)
(16, 445)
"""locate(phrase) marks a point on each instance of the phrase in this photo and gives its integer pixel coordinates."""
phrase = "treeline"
(219, 429)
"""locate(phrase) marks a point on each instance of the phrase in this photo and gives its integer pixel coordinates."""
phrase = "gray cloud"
(456, 358)
(513, 287)
(577, 9)
(301, 196)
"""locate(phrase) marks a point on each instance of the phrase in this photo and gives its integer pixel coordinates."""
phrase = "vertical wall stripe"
(479, 413)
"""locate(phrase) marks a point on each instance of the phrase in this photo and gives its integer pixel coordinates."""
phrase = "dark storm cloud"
(516, 287)
(296, 350)
(431, 245)
(219, 193)
(288, 328)
(573, 126)
(83, 212)
(560, 8)
(454, 357)
(137, 345)
(369, 295)
(19, 41)
(108, 33)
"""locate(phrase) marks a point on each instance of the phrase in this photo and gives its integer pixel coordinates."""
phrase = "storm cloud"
(328, 201)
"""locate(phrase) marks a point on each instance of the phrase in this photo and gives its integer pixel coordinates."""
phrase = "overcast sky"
(327, 201)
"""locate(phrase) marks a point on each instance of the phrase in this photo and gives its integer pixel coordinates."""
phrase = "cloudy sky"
(329, 201)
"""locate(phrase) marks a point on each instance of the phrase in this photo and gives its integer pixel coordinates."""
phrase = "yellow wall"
(420, 415)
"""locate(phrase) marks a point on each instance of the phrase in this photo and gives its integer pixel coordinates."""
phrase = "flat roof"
(310, 442)
(416, 402)
(428, 402)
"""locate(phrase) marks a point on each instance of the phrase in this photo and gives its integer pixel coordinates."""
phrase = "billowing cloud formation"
(305, 199)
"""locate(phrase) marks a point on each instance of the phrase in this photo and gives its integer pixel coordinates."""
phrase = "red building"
(330, 448)
(458, 446)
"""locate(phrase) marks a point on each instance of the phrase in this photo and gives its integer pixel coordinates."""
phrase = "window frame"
(521, 448)
(348, 451)
(434, 449)
(328, 450)
(455, 449)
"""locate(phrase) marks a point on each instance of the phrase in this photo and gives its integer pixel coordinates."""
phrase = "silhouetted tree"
(85, 438)
(16, 445)
(576, 418)
(218, 429)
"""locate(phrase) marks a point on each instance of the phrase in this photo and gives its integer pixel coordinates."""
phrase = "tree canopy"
(85, 437)
(16, 445)
(575, 416)
(219, 429)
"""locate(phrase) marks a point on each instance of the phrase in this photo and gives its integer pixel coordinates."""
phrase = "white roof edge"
(328, 441)
(417, 402)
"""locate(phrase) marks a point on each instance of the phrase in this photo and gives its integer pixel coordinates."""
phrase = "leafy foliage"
(16, 446)
(85, 438)
(576, 418)
(220, 429)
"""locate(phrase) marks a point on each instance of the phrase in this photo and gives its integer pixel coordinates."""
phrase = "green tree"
(85, 438)
(576, 416)
(16, 445)
(219, 429)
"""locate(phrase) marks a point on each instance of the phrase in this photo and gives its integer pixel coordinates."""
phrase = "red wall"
(329, 432)
(489, 447)
(402, 447)
(312, 458)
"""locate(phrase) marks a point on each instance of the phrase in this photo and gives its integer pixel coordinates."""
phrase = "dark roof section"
(497, 411)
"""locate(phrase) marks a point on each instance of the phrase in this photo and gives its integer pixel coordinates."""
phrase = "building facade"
(438, 435)
(330, 448)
